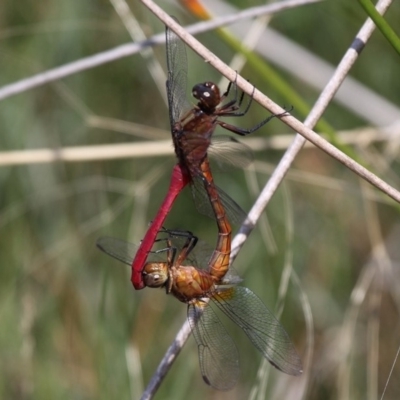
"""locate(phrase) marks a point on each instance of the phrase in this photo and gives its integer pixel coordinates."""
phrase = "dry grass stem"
(127, 50)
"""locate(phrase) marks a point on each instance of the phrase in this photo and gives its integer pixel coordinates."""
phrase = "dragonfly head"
(208, 95)
(155, 274)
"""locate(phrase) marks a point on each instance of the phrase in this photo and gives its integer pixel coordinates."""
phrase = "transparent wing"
(233, 211)
(177, 76)
(262, 328)
(119, 249)
(231, 278)
(226, 150)
(218, 355)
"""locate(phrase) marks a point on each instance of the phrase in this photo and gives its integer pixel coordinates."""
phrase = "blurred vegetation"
(72, 327)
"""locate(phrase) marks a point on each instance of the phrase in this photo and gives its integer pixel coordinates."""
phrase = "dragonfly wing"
(233, 211)
(119, 249)
(231, 277)
(227, 151)
(262, 328)
(218, 355)
(177, 76)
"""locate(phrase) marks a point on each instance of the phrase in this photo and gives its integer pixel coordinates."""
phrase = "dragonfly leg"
(228, 109)
(178, 233)
(245, 132)
(162, 239)
(186, 249)
(189, 245)
(231, 108)
(170, 250)
(191, 239)
(233, 112)
(228, 89)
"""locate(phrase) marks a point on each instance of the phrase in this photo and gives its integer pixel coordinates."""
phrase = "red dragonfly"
(218, 355)
(192, 128)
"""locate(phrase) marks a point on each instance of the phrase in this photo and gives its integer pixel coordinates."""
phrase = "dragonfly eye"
(208, 95)
(155, 274)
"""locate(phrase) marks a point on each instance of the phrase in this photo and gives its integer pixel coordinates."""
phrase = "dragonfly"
(204, 290)
(192, 128)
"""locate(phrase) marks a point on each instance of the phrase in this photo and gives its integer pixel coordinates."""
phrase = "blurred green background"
(71, 325)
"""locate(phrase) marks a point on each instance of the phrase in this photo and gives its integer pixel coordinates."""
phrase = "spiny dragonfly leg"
(244, 132)
(231, 108)
(177, 233)
(169, 249)
(188, 246)
(228, 89)
(232, 111)
(233, 105)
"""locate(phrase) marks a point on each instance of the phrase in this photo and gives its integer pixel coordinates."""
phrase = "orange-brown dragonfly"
(192, 127)
(203, 290)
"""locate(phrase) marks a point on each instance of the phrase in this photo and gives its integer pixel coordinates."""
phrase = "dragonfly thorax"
(208, 95)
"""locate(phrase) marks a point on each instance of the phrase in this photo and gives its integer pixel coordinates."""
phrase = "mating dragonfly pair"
(192, 128)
